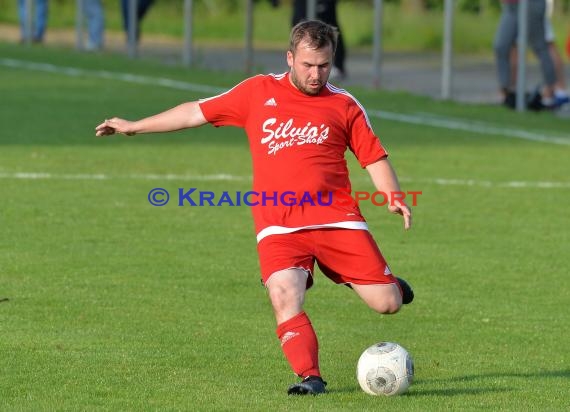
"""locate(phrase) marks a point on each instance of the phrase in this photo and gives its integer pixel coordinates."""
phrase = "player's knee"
(280, 296)
(384, 299)
(388, 305)
(285, 298)
(286, 288)
(286, 303)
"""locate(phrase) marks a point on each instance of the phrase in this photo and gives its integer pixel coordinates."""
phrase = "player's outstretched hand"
(402, 209)
(115, 125)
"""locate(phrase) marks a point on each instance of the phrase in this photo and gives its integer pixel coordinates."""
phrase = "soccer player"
(299, 127)
(560, 96)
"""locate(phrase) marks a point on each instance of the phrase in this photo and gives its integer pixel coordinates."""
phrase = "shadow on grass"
(431, 392)
(452, 384)
(565, 373)
(457, 391)
(346, 389)
(455, 381)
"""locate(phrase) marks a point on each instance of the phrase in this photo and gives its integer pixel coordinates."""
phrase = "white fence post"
(79, 20)
(187, 50)
(29, 21)
(311, 9)
(521, 50)
(447, 55)
(377, 44)
(132, 20)
(249, 37)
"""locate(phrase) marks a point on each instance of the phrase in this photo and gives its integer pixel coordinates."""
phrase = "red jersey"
(297, 144)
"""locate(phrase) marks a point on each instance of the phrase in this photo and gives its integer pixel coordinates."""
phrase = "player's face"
(310, 68)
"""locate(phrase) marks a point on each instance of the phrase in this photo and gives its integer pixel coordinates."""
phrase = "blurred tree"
(495, 5)
(470, 6)
(433, 4)
(217, 6)
(413, 5)
(422, 5)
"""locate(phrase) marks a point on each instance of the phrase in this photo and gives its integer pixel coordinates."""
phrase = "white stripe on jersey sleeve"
(338, 90)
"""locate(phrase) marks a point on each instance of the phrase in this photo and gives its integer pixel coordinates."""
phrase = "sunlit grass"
(113, 304)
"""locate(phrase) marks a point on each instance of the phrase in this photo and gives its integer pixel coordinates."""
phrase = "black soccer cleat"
(311, 385)
(407, 292)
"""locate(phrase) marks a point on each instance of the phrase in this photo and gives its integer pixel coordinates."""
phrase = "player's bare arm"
(183, 116)
(385, 180)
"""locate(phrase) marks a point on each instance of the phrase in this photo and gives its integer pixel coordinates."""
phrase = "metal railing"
(375, 60)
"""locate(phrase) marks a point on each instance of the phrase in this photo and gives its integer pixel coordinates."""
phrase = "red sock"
(300, 345)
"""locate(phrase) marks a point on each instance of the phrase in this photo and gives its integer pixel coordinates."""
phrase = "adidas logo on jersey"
(270, 102)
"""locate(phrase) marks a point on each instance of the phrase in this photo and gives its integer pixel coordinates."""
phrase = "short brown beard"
(299, 86)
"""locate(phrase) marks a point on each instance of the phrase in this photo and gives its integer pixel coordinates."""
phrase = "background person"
(506, 37)
(142, 9)
(299, 127)
(95, 16)
(39, 20)
(560, 92)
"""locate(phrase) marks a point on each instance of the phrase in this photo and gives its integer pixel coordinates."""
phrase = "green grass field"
(114, 304)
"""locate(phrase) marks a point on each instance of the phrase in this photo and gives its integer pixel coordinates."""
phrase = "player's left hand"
(115, 125)
(400, 208)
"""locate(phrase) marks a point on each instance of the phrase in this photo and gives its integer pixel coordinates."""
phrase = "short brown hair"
(315, 32)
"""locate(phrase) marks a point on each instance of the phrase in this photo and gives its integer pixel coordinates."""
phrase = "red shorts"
(343, 255)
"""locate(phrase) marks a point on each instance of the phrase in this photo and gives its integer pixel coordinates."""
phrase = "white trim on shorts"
(309, 273)
(280, 230)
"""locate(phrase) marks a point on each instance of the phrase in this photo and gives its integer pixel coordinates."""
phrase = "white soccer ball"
(385, 368)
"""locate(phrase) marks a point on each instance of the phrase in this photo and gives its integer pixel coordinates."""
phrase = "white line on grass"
(514, 184)
(230, 177)
(418, 118)
(474, 127)
(104, 74)
(100, 176)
